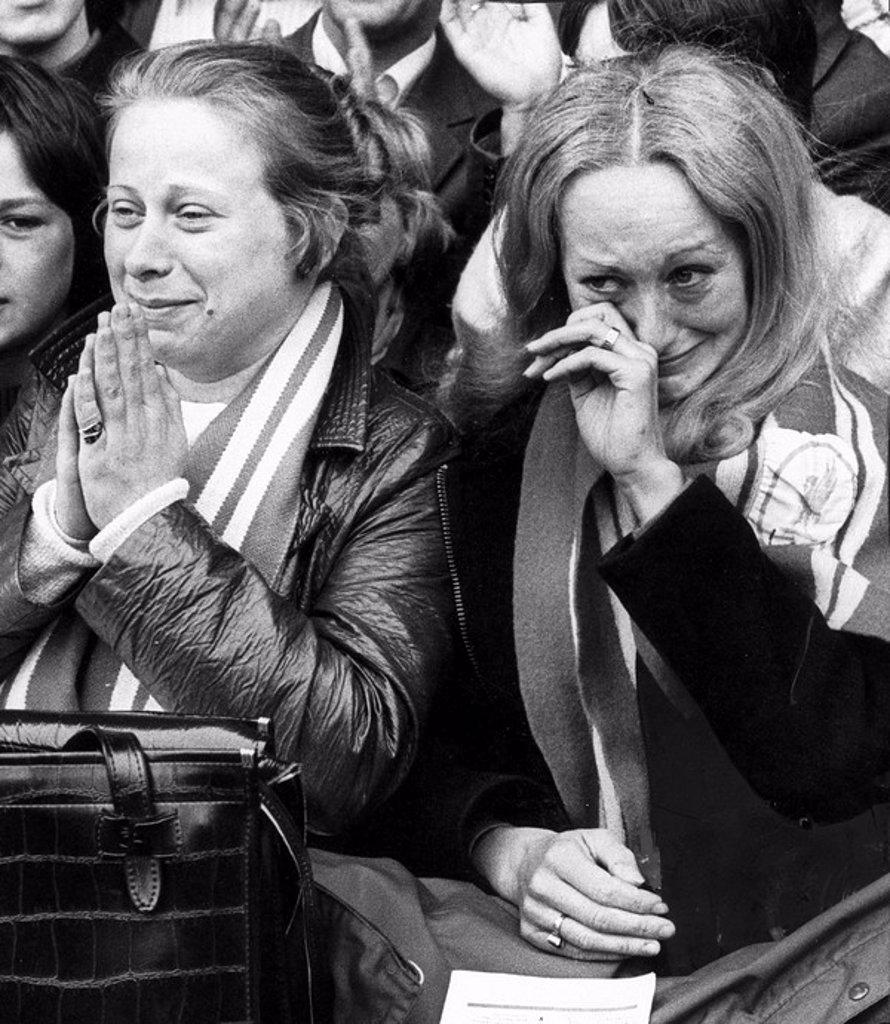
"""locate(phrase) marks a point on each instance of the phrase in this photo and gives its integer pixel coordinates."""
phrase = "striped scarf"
(813, 486)
(244, 473)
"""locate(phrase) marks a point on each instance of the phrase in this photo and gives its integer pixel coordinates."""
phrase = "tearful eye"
(689, 277)
(603, 284)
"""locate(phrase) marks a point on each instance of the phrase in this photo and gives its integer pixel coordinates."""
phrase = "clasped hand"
(583, 886)
(141, 443)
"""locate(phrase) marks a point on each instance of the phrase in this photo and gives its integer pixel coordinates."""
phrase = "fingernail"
(660, 908)
(651, 948)
(104, 319)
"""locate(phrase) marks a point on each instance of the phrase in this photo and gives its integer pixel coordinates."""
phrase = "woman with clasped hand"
(239, 515)
(661, 414)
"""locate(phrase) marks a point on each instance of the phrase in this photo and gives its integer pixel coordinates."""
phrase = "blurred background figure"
(411, 63)
(837, 80)
(450, 63)
(157, 23)
(82, 39)
(871, 18)
(851, 107)
(52, 173)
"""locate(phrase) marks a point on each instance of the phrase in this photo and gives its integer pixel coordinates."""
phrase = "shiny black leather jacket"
(347, 662)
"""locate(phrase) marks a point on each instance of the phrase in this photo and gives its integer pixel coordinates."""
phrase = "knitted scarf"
(813, 486)
(244, 473)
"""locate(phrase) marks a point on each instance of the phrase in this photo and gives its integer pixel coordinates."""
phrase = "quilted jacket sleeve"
(20, 619)
(13, 444)
(347, 683)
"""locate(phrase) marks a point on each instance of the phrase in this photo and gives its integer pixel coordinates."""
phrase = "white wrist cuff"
(111, 536)
(68, 550)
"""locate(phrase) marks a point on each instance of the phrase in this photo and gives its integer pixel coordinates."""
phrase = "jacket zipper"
(456, 590)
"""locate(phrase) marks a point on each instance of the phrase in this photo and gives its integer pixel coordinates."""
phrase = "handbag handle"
(135, 832)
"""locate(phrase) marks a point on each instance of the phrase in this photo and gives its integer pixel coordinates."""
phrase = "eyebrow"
(176, 192)
(16, 202)
(711, 246)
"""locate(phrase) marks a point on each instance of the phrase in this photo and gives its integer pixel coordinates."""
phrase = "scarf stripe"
(854, 424)
(253, 450)
(853, 589)
(305, 401)
(19, 694)
(240, 447)
(126, 689)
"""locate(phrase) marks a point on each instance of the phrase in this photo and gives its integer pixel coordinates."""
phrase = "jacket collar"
(56, 357)
(342, 422)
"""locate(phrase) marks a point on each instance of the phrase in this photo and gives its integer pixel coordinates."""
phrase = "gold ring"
(555, 937)
(611, 341)
(91, 433)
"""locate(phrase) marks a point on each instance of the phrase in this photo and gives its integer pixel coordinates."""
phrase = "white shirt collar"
(404, 72)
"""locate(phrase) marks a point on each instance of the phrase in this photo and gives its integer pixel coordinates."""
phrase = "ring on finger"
(609, 343)
(555, 936)
(91, 433)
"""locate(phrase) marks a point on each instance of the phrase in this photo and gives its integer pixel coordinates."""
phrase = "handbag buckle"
(120, 836)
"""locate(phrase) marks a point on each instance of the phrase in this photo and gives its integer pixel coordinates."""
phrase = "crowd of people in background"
(495, 396)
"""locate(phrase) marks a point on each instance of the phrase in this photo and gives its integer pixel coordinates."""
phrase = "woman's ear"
(316, 236)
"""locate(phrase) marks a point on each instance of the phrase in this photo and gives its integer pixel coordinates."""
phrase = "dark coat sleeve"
(803, 710)
(479, 764)
(347, 682)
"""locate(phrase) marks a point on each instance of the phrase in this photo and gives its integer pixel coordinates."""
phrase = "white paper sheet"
(477, 997)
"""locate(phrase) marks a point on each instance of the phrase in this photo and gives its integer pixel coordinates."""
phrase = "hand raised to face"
(127, 425)
(613, 380)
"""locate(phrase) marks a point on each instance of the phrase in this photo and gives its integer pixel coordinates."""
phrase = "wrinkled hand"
(235, 21)
(510, 49)
(585, 874)
(615, 395)
(143, 442)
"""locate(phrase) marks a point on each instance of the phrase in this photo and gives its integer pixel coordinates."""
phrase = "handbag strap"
(135, 832)
(301, 918)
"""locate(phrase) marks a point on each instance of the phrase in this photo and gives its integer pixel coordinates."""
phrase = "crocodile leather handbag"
(152, 869)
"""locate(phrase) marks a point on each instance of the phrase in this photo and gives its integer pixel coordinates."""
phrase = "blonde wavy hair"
(719, 123)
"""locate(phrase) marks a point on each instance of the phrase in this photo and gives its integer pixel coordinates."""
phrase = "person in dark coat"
(432, 60)
(80, 39)
(851, 107)
(836, 79)
(254, 530)
(635, 743)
